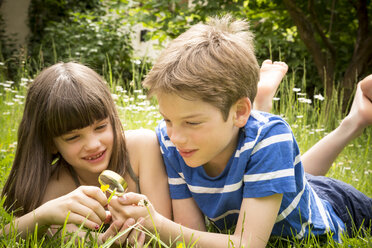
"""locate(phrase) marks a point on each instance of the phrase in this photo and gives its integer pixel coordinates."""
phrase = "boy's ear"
(242, 110)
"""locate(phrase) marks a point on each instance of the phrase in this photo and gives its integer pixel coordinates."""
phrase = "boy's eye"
(192, 123)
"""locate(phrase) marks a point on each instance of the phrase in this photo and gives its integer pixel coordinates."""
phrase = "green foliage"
(274, 32)
(276, 35)
(92, 37)
(41, 12)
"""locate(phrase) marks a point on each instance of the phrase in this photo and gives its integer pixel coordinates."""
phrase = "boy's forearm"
(171, 231)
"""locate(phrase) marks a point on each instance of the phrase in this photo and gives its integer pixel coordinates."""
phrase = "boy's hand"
(132, 205)
(134, 236)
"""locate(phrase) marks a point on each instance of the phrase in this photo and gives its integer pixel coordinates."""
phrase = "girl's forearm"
(319, 158)
(26, 224)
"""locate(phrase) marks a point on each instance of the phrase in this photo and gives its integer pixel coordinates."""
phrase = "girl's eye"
(71, 138)
(101, 126)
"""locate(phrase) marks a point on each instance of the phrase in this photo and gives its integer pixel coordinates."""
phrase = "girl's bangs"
(75, 110)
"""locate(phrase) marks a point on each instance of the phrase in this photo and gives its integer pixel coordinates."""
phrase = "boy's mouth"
(187, 153)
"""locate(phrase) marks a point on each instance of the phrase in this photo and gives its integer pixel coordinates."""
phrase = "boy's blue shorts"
(352, 206)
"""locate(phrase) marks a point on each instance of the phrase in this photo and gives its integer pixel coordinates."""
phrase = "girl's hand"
(135, 236)
(85, 205)
(132, 205)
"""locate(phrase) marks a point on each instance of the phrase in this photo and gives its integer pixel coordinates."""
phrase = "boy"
(236, 166)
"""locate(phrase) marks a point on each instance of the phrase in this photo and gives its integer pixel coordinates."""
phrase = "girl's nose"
(92, 143)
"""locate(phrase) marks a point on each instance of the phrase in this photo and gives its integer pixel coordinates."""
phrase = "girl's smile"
(96, 157)
(88, 150)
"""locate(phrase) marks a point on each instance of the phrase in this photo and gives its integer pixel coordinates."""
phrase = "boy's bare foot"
(271, 74)
(360, 114)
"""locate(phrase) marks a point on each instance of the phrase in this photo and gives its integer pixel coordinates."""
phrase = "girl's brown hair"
(63, 97)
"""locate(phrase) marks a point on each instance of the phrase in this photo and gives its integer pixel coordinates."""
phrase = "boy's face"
(199, 132)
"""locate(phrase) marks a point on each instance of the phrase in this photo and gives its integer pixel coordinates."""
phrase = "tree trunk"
(362, 54)
(324, 66)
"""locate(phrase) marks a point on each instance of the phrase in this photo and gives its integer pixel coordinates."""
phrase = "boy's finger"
(108, 217)
(113, 230)
(141, 239)
(131, 199)
(137, 236)
(126, 234)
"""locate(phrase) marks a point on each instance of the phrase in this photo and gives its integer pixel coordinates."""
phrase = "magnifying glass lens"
(114, 182)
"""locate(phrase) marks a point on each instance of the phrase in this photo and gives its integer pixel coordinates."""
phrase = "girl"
(70, 117)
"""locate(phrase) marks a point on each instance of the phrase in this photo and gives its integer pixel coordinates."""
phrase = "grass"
(310, 120)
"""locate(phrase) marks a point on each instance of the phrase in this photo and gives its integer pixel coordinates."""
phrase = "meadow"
(310, 118)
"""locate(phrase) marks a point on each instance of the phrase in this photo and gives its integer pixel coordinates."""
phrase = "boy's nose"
(177, 136)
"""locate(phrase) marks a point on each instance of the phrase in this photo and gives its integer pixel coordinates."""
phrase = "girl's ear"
(242, 110)
(54, 149)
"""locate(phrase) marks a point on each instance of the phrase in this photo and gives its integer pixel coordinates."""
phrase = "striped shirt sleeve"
(271, 162)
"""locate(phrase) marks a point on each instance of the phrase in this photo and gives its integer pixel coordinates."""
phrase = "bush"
(94, 38)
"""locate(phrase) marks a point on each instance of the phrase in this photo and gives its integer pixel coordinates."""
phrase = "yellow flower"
(104, 188)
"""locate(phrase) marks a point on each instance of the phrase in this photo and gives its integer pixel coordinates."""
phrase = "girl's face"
(87, 150)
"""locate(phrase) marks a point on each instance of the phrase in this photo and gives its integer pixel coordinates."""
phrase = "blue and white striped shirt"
(266, 162)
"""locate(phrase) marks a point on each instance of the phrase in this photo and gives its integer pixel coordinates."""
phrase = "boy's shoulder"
(259, 121)
(264, 130)
(264, 117)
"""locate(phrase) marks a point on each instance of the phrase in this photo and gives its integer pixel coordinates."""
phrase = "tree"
(334, 35)
(326, 37)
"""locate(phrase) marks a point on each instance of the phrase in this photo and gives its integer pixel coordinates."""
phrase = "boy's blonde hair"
(214, 63)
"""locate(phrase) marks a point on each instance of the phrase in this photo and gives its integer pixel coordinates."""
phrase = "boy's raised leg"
(319, 158)
(271, 74)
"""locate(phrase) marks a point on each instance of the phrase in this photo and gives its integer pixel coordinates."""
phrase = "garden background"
(327, 45)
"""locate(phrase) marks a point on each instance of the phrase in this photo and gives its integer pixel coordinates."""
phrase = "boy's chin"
(193, 165)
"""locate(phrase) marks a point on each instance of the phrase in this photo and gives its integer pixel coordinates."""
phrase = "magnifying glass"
(112, 182)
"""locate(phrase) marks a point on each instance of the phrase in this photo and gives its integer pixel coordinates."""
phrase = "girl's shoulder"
(59, 184)
(141, 141)
(147, 163)
(139, 136)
